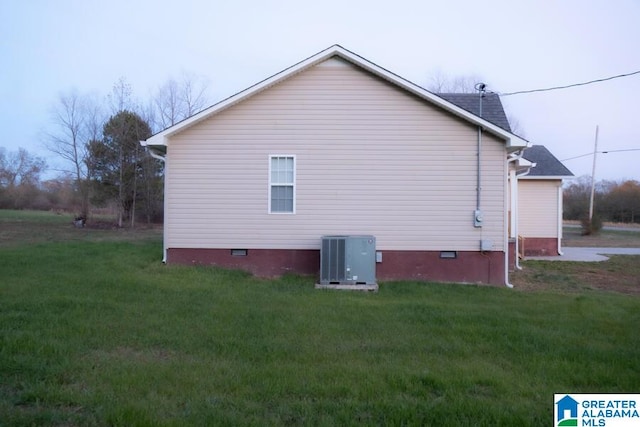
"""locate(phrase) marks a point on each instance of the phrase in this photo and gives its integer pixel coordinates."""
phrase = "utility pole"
(593, 177)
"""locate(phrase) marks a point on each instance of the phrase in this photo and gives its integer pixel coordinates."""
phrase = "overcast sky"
(51, 47)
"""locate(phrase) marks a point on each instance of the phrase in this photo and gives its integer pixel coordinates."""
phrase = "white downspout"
(480, 87)
(517, 263)
(156, 156)
(506, 242)
(164, 222)
(514, 158)
(560, 219)
(514, 215)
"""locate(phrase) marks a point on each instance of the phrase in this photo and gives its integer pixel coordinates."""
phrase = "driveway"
(586, 254)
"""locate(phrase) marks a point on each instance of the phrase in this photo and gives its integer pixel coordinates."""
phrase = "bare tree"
(176, 100)
(121, 97)
(19, 178)
(167, 102)
(78, 120)
(442, 83)
(516, 126)
(194, 94)
(20, 168)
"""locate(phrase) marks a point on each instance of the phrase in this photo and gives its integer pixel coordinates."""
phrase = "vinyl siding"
(538, 208)
(370, 159)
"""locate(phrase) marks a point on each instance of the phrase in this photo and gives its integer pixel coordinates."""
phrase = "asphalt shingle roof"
(492, 110)
(546, 163)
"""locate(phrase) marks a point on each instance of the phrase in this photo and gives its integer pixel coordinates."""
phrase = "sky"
(50, 47)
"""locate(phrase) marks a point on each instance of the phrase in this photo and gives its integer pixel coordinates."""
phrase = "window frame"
(282, 184)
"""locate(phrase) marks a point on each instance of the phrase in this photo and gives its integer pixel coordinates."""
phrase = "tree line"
(98, 141)
(614, 201)
(97, 138)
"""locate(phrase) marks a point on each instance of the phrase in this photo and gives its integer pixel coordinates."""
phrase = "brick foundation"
(540, 246)
(467, 267)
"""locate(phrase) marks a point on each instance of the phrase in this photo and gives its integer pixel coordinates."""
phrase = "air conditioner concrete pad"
(349, 287)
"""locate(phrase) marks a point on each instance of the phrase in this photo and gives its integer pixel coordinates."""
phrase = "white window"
(282, 184)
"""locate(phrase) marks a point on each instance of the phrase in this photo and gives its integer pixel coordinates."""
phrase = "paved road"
(608, 227)
(587, 254)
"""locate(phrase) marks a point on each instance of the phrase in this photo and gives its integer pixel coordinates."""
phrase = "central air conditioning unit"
(348, 262)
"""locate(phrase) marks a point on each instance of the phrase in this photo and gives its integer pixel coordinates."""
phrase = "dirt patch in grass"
(131, 355)
(621, 273)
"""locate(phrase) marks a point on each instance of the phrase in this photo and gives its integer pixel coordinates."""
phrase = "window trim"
(293, 184)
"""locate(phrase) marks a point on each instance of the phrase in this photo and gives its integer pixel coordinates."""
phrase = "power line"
(600, 152)
(571, 85)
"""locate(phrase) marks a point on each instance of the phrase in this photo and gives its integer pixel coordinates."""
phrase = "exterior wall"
(538, 208)
(539, 213)
(468, 267)
(371, 159)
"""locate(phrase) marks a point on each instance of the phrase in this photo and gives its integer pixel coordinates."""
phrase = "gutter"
(155, 155)
(152, 151)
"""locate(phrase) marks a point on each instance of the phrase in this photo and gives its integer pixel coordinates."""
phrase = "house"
(536, 205)
(337, 145)
(540, 203)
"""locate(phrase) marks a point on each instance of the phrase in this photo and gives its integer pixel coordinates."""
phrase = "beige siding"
(538, 208)
(370, 159)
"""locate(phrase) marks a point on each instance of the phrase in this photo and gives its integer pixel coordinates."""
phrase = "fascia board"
(246, 93)
(512, 141)
(547, 178)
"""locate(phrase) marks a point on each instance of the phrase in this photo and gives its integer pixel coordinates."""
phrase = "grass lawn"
(94, 330)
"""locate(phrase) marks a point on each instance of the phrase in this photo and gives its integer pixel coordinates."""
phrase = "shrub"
(592, 226)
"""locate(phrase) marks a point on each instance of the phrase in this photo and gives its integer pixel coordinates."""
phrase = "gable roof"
(492, 109)
(547, 165)
(158, 141)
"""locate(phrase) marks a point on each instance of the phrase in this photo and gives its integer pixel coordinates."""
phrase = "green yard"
(94, 330)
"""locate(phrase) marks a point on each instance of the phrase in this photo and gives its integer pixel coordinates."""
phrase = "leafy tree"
(614, 201)
(576, 198)
(622, 202)
(118, 162)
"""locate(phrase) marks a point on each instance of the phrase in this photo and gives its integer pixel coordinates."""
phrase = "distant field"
(627, 236)
(94, 330)
(31, 227)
